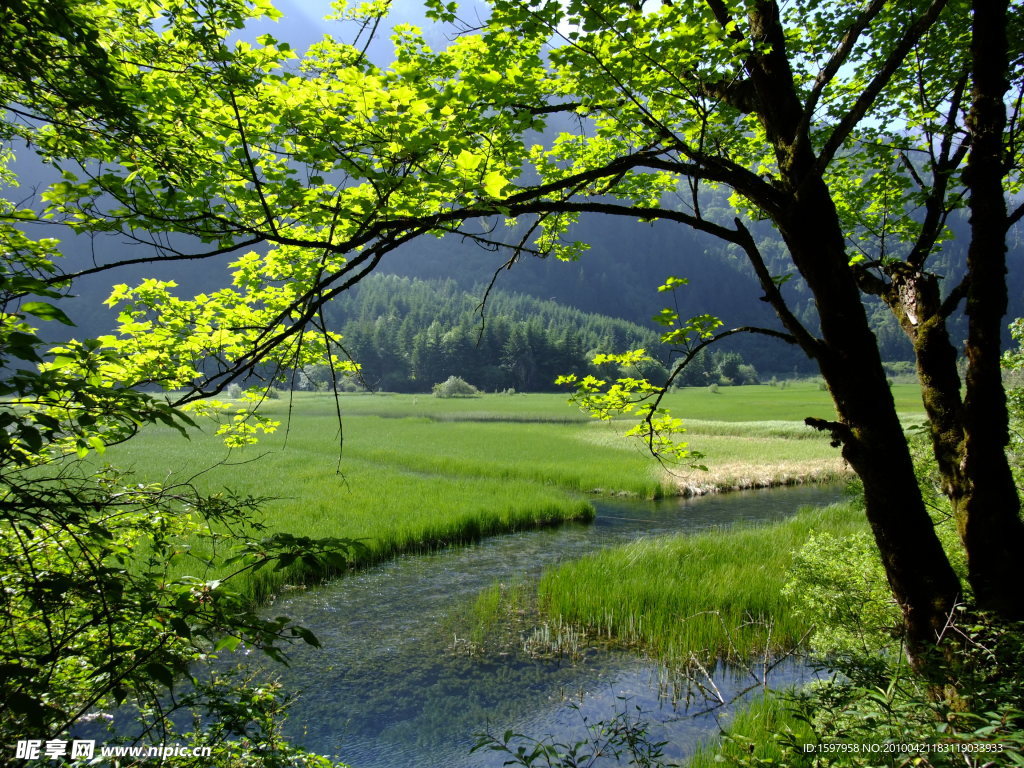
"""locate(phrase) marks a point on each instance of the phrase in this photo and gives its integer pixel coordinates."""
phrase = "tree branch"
(159, 259)
(772, 293)
(870, 93)
(839, 57)
(690, 355)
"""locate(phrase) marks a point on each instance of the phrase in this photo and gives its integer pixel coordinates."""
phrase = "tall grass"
(389, 508)
(752, 738)
(760, 402)
(712, 595)
(411, 478)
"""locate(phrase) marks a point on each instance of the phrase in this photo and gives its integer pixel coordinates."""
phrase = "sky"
(303, 24)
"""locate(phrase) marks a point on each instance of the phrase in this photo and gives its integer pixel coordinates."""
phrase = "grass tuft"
(694, 598)
(753, 737)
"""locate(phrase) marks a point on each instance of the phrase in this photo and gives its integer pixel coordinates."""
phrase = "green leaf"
(45, 311)
(227, 643)
(467, 161)
(161, 673)
(494, 183)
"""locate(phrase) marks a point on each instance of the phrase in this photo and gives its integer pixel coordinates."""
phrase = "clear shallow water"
(389, 689)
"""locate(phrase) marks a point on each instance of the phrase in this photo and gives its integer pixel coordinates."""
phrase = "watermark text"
(57, 749)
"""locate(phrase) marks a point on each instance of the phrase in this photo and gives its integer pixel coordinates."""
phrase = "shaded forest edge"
(408, 335)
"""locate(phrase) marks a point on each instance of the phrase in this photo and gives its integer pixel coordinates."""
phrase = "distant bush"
(747, 374)
(455, 387)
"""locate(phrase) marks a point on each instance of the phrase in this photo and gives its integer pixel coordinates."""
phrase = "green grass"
(751, 737)
(712, 595)
(391, 508)
(419, 472)
(761, 402)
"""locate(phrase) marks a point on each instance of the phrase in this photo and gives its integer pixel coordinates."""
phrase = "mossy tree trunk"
(988, 515)
(867, 427)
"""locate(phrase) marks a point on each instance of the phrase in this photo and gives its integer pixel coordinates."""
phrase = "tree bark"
(872, 439)
(914, 298)
(922, 580)
(989, 514)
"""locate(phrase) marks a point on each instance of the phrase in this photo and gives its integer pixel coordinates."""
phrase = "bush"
(748, 374)
(455, 387)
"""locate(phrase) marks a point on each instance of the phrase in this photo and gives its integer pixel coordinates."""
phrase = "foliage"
(637, 392)
(104, 604)
(760, 733)
(94, 613)
(1013, 364)
(838, 586)
(239, 719)
(410, 334)
(453, 386)
(891, 717)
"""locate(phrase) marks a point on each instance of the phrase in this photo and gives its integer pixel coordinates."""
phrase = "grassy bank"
(418, 472)
(711, 595)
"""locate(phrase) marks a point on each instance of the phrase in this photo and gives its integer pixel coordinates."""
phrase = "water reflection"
(389, 687)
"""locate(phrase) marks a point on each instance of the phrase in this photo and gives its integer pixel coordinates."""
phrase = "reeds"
(694, 598)
(418, 472)
(752, 737)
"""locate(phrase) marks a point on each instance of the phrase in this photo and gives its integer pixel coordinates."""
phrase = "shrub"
(455, 387)
(748, 374)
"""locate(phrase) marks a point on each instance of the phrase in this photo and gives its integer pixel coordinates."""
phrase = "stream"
(391, 689)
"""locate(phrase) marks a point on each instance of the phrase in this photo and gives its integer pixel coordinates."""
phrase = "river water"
(393, 687)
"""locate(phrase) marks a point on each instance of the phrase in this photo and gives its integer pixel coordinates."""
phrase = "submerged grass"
(698, 598)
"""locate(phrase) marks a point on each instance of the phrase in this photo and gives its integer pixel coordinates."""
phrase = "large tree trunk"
(969, 434)
(872, 439)
(989, 512)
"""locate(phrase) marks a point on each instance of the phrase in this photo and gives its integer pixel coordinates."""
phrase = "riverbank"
(397, 643)
(406, 473)
(692, 600)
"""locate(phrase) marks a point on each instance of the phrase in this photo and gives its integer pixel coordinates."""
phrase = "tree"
(102, 600)
(854, 129)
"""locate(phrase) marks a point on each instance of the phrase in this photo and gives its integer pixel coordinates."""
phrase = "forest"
(408, 335)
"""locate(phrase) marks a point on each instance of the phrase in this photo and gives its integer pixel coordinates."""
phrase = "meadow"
(407, 473)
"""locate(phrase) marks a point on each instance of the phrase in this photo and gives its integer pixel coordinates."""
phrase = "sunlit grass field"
(698, 597)
(793, 401)
(415, 471)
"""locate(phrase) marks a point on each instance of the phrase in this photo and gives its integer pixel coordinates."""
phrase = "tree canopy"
(854, 129)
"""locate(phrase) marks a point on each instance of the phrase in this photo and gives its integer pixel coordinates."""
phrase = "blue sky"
(303, 24)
